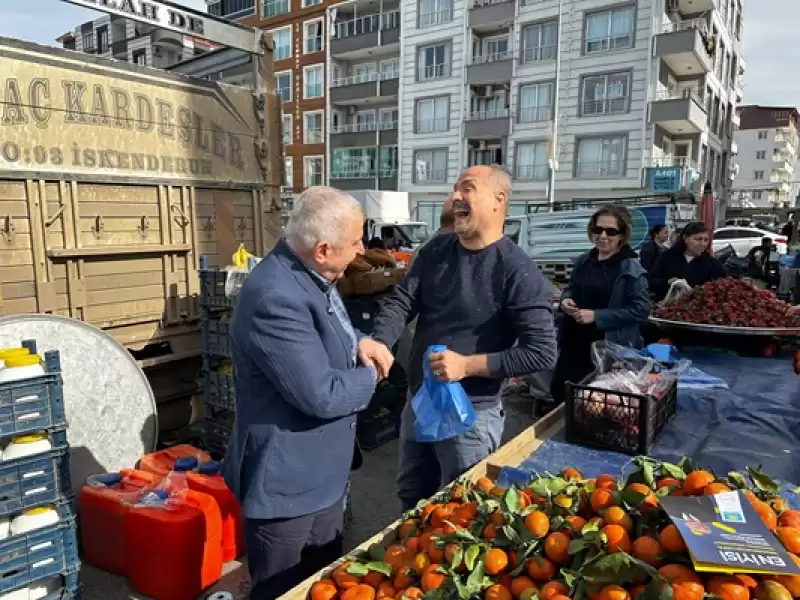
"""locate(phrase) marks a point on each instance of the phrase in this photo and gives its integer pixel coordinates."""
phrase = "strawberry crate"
(618, 421)
(36, 403)
(36, 480)
(44, 552)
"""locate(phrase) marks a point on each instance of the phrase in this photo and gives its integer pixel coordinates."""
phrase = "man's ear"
(321, 251)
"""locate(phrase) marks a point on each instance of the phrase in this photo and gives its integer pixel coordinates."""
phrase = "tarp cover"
(755, 422)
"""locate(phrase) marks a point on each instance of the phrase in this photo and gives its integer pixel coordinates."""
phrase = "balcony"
(688, 7)
(485, 124)
(668, 161)
(678, 111)
(273, 8)
(483, 13)
(786, 143)
(165, 37)
(360, 135)
(360, 179)
(781, 164)
(487, 69)
(780, 184)
(682, 48)
(358, 89)
(358, 36)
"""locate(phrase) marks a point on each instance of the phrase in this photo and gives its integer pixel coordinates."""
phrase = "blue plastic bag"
(442, 410)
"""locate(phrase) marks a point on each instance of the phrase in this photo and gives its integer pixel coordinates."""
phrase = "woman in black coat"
(652, 248)
(688, 259)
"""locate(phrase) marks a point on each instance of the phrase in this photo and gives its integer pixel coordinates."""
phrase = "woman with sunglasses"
(607, 298)
(689, 258)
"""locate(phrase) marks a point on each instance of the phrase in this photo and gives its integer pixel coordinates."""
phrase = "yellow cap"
(29, 439)
(8, 352)
(23, 360)
(38, 510)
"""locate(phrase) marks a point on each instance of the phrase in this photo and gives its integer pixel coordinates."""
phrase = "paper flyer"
(725, 534)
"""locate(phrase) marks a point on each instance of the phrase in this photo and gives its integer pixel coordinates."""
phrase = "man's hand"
(449, 366)
(585, 317)
(375, 354)
(568, 306)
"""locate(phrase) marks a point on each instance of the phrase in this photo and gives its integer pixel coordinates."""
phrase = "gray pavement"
(374, 507)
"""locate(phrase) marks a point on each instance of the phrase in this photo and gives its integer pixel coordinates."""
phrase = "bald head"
(480, 200)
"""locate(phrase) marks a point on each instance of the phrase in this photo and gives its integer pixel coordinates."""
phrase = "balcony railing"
(604, 106)
(483, 59)
(683, 25)
(483, 115)
(364, 127)
(313, 44)
(539, 53)
(606, 168)
(438, 17)
(535, 114)
(532, 172)
(273, 8)
(367, 24)
(696, 94)
(313, 90)
(433, 125)
(363, 173)
(366, 78)
(664, 162)
(431, 176)
(313, 136)
(434, 72)
(479, 3)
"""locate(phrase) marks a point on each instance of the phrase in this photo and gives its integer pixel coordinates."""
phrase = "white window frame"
(446, 67)
(284, 119)
(288, 28)
(394, 70)
(362, 113)
(540, 52)
(321, 22)
(617, 105)
(307, 3)
(486, 56)
(365, 72)
(286, 72)
(543, 112)
(530, 172)
(306, 70)
(288, 168)
(432, 152)
(392, 122)
(436, 126)
(609, 37)
(440, 16)
(306, 162)
(306, 137)
(623, 161)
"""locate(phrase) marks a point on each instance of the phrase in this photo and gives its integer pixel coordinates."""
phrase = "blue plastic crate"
(216, 337)
(38, 554)
(33, 404)
(36, 480)
(212, 289)
(71, 588)
(216, 434)
(219, 389)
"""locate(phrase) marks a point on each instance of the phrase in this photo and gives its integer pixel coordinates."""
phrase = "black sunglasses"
(609, 231)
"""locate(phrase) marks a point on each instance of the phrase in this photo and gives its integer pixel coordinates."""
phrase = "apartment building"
(767, 144)
(646, 94)
(123, 39)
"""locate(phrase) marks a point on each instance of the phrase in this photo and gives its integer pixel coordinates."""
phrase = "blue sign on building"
(665, 180)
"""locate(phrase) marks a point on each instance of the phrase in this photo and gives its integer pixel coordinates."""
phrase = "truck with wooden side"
(114, 180)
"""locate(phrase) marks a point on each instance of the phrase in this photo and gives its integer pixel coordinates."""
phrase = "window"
(433, 62)
(88, 42)
(234, 9)
(490, 155)
(288, 168)
(434, 12)
(531, 161)
(762, 135)
(364, 72)
(390, 68)
(432, 115)
(757, 195)
(365, 120)
(313, 170)
(307, 3)
(535, 102)
(605, 94)
(388, 118)
(312, 35)
(758, 175)
(273, 8)
(609, 30)
(282, 39)
(601, 156)
(313, 82)
(761, 154)
(430, 166)
(102, 40)
(363, 163)
(283, 85)
(313, 127)
(539, 42)
(287, 129)
(491, 49)
(139, 57)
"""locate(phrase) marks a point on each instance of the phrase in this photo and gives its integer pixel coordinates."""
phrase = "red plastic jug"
(175, 542)
(207, 479)
(103, 505)
(160, 463)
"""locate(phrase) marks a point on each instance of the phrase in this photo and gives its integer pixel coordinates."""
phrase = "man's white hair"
(321, 214)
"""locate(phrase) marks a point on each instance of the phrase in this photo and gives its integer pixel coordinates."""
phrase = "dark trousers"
(283, 552)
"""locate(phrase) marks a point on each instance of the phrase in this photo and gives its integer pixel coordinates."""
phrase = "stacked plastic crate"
(217, 366)
(38, 541)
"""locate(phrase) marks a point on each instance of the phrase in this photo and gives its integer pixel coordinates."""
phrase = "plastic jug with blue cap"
(103, 505)
(162, 461)
(207, 478)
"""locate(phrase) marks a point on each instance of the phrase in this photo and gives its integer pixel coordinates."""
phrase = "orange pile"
(562, 538)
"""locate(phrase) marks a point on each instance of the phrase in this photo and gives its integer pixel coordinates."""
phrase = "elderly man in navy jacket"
(298, 389)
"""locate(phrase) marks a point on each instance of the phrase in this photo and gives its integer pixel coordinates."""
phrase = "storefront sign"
(665, 180)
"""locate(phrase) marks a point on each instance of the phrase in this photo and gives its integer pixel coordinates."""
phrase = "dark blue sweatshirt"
(474, 302)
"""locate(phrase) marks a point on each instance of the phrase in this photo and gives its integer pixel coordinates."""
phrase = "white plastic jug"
(44, 587)
(21, 366)
(27, 445)
(34, 518)
(5, 528)
(20, 594)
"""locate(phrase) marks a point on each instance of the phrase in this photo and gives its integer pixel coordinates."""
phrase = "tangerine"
(600, 499)
(359, 592)
(678, 573)
(324, 589)
(715, 488)
(791, 582)
(571, 474)
(489, 532)
(614, 592)
(519, 585)
(647, 550)
(772, 590)
(553, 588)
(450, 552)
(485, 484)
(412, 593)
(439, 516)
(556, 547)
(397, 556)
(343, 579)
(696, 482)
(497, 592)
(614, 515)
(540, 568)
(791, 518)
(636, 591)
(671, 539)
(687, 590)
(407, 529)
(496, 561)
(649, 501)
(728, 588)
(537, 523)
(606, 482)
(766, 513)
(617, 538)
(432, 579)
(575, 522)
(497, 517)
(386, 590)
(790, 538)
(560, 597)
(403, 579)
(373, 579)
(412, 544)
(434, 552)
(668, 482)
(420, 562)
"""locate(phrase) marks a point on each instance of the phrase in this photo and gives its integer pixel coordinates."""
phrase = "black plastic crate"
(36, 403)
(619, 421)
(219, 387)
(212, 289)
(36, 480)
(216, 434)
(216, 337)
(376, 428)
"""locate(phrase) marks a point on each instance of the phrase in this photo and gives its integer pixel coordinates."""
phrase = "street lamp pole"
(553, 161)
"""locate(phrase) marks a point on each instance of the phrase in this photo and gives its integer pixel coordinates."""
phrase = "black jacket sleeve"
(659, 276)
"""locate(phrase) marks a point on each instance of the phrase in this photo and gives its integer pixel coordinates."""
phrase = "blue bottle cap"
(106, 479)
(187, 463)
(161, 494)
(211, 467)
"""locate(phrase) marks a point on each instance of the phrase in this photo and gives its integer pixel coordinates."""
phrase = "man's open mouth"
(460, 210)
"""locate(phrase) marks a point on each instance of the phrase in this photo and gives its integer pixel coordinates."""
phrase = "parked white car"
(743, 239)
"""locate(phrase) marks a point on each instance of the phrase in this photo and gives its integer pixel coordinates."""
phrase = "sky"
(770, 49)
